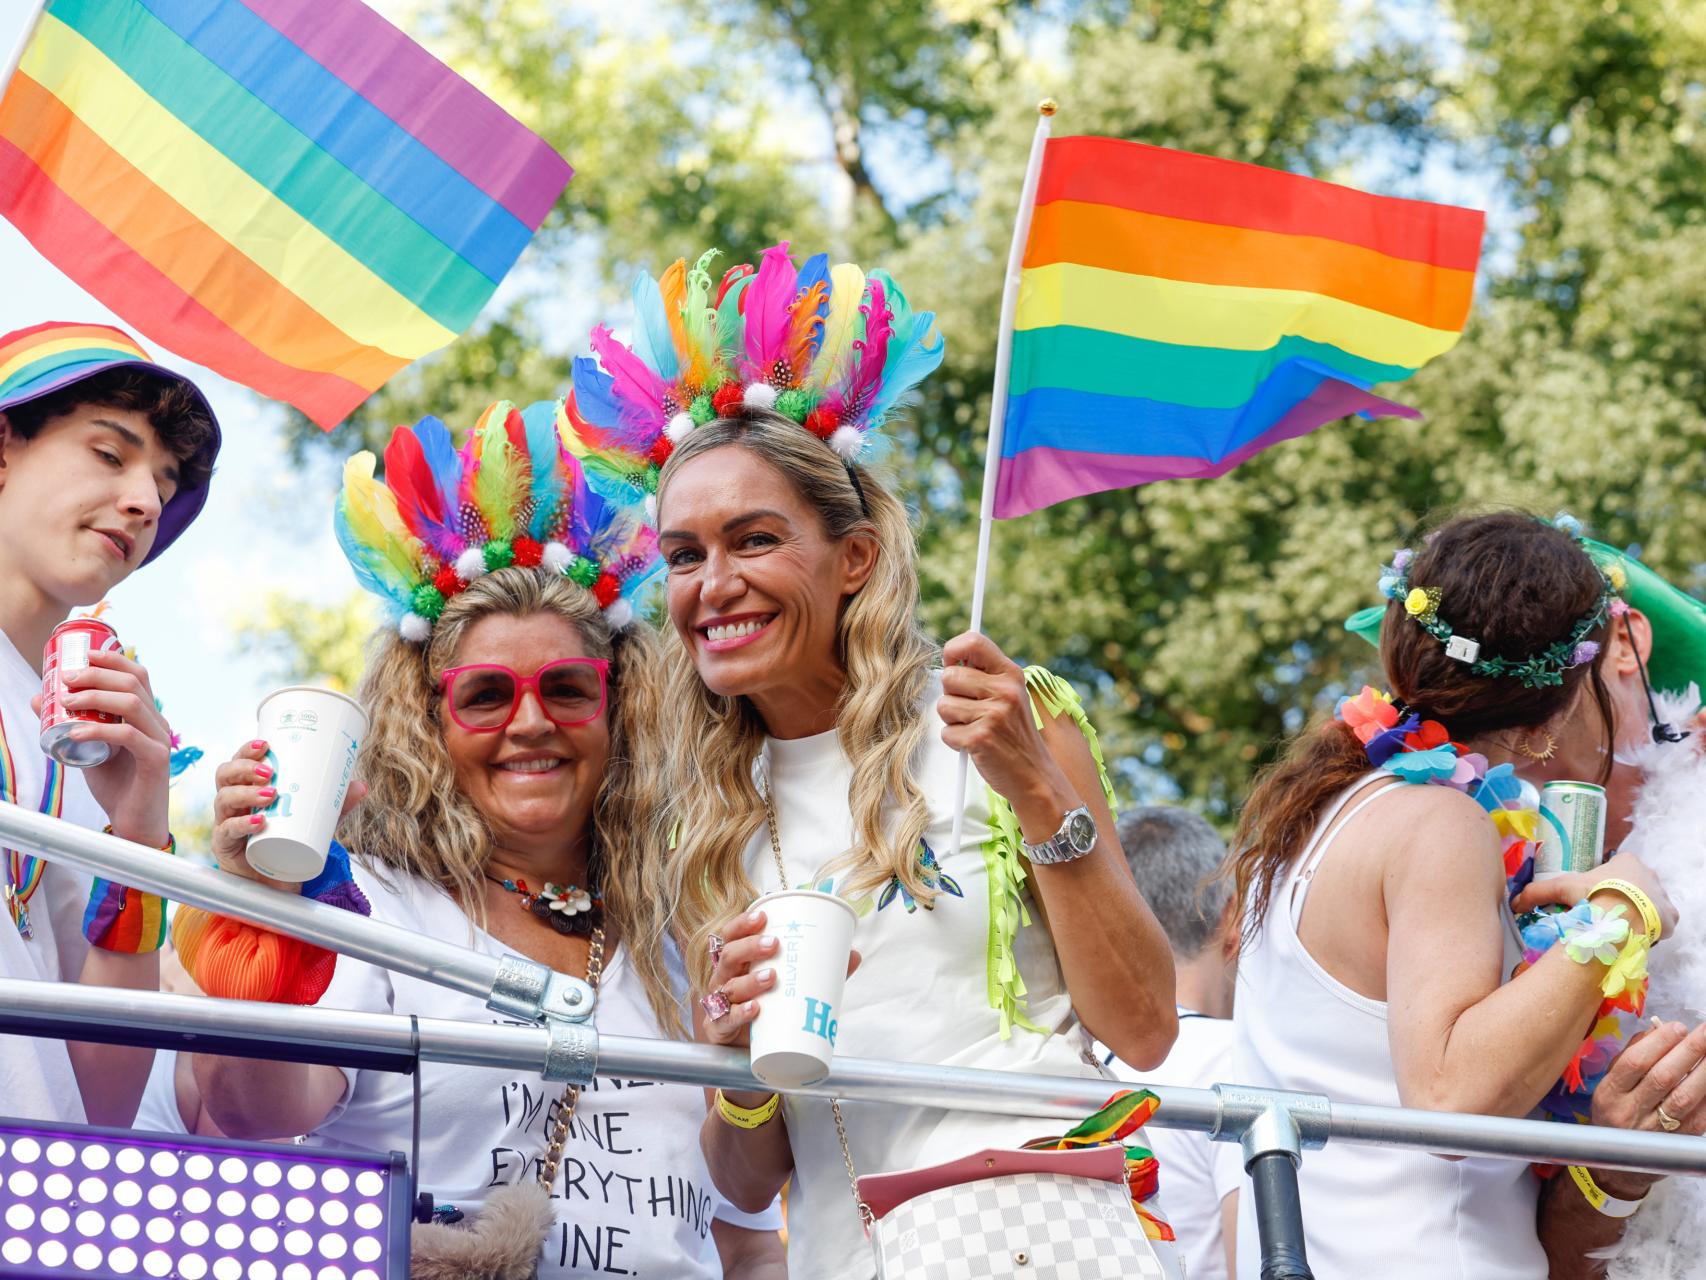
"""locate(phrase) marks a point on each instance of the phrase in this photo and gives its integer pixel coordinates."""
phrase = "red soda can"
(67, 652)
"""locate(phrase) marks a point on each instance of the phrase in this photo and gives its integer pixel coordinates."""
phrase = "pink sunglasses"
(483, 697)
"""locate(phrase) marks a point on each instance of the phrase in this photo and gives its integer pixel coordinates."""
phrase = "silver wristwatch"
(1076, 837)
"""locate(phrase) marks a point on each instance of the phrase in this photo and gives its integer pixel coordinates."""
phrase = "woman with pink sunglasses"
(513, 713)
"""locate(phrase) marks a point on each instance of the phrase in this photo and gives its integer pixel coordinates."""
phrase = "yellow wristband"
(741, 1118)
(1609, 1205)
(1649, 913)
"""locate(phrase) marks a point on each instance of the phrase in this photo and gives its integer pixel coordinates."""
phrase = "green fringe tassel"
(1003, 857)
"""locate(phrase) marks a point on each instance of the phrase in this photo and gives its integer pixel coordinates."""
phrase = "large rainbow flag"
(290, 192)
(1178, 313)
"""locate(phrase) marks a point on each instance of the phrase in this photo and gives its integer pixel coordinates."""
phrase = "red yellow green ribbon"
(1124, 1114)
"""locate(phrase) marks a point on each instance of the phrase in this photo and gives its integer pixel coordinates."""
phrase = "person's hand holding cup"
(246, 789)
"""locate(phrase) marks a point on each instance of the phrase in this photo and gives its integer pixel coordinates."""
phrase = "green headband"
(1677, 618)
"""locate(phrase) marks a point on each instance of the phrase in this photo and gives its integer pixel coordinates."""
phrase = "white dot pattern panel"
(136, 1207)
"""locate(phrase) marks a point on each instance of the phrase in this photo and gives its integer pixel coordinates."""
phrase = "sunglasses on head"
(483, 697)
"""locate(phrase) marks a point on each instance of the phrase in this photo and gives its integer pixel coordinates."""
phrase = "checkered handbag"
(1027, 1226)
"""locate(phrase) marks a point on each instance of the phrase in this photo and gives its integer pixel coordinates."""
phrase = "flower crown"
(515, 494)
(1536, 671)
(831, 348)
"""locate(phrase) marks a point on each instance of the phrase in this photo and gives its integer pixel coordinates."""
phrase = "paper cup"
(312, 736)
(793, 1037)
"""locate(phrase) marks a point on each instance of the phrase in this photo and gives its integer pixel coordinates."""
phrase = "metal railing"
(1274, 1128)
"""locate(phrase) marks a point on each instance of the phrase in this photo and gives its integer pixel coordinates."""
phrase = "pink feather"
(766, 305)
(636, 387)
(852, 400)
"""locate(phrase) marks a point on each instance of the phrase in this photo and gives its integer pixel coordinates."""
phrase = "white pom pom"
(414, 628)
(471, 564)
(676, 429)
(849, 442)
(620, 614)
(556, 557)
(760, 395)
(652, 509)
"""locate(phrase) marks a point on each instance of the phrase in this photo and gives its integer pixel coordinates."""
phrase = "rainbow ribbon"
(1124, 1114)
(24, 870)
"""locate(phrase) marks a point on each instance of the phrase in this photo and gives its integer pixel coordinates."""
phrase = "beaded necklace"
(569, 909)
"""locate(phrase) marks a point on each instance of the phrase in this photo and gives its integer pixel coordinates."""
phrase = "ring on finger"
(716, 1005)
(716, 945)
(1667, 1122)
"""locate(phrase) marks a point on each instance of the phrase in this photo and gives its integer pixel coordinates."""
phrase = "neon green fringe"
(1003, 857)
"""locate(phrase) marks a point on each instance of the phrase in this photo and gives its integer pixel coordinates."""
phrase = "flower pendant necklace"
(566, 908)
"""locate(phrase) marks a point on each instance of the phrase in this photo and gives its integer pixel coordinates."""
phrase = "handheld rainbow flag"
(290, 192)
(1179, 313)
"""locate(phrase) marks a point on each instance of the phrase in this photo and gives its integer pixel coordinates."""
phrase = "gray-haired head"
(1174, 856)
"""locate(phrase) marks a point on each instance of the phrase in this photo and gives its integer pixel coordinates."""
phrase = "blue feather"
(918, 360)
(653, 341)
(594, 394)
(816, 269)
(440, 453)
(543, 455)
(366, 564)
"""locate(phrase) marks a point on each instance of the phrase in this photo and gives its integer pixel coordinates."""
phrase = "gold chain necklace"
(571, 1093)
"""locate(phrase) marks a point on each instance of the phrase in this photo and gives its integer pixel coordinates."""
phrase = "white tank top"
(1367, 1211)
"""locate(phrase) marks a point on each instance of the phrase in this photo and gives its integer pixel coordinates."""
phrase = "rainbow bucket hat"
(49, 357)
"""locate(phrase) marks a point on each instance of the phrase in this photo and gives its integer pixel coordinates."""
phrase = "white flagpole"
(998, 408)
(17, 54)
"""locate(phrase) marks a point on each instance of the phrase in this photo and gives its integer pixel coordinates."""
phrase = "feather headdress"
(515, 494)
(832, 348)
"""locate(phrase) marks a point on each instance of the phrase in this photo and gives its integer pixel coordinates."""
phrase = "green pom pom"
(701, 411)
(499, 555)
(582, 572)
(794, 403)
(714, 383)
(429, 601)
(650, 479)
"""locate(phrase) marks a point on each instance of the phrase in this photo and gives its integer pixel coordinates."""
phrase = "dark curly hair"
(1509, 580)
(176, 413)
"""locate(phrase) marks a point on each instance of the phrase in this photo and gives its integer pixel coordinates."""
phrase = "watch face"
(1081, 832)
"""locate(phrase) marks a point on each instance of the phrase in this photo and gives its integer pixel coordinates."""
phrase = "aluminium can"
(1572, 829)
(67, 652)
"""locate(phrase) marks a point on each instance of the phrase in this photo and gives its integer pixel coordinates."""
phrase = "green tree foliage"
(1202, 615)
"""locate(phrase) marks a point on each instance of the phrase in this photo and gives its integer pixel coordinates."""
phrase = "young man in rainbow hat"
(105, 458)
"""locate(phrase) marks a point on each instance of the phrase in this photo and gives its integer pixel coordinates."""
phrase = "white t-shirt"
(159, 1112)
(920, 994)
(633, 1193)
(36, 1080)
(1196, 1172)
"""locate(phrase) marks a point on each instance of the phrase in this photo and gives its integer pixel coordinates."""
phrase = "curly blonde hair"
(714, 807)
(417, 821)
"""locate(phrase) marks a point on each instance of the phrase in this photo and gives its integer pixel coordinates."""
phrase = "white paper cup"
(312, 736)
(793, 1037)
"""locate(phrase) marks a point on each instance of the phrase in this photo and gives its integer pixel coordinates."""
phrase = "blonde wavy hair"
(417, 821)
(714, 808)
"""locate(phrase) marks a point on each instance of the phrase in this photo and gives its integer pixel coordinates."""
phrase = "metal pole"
(513, 985)
(1273, 1144)
(1227, 1113)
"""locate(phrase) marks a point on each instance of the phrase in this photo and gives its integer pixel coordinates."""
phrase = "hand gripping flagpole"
(998, 408)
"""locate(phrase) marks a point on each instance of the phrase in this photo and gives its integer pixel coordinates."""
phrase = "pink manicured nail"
(259, 744)
(267, 793)
(263, 771)
(255, 820)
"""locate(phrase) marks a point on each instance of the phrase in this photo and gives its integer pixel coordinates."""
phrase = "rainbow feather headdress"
(515, 494)
(831, 348)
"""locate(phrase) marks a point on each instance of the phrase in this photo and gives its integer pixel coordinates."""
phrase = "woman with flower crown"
(1378, 861)
(513, 714)
(818, 732)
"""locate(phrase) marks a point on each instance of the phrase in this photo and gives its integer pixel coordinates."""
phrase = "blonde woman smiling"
(816, 727)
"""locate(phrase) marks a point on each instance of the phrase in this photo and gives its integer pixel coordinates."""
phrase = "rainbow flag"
(290, 192)
(1179, 313)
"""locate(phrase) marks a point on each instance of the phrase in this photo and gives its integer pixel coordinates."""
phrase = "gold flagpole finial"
(1047, 107)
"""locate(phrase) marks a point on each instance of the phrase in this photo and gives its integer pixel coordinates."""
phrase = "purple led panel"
(108, 1204)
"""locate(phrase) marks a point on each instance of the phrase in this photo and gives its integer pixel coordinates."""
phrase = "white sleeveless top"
(922, 992)
(1367, 1211)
